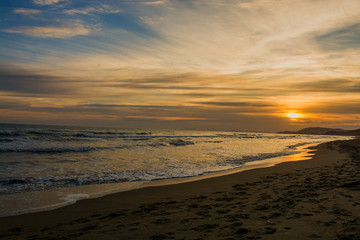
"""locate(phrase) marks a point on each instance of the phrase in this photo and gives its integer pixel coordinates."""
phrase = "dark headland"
(325, 131)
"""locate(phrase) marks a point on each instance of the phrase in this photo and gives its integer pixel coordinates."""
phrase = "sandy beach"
(313, 199)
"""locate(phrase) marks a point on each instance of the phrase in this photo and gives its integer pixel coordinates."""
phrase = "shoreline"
(62, 197)
(302, 199)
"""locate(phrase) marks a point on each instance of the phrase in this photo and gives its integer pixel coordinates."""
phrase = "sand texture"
(313, 199)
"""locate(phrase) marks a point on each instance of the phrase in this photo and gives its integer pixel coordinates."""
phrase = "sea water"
(49, 166)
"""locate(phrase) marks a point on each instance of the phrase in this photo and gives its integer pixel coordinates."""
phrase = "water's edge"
(31, 202)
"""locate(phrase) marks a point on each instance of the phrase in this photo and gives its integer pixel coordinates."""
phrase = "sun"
(293, 115)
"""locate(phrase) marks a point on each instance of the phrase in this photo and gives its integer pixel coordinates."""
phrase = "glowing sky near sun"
(200, 64)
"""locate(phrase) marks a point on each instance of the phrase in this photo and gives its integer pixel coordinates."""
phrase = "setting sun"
(293, 115)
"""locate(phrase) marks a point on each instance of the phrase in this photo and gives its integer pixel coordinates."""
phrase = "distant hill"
(325, 131)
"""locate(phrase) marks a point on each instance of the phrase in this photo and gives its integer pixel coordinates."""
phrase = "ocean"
(44, 167)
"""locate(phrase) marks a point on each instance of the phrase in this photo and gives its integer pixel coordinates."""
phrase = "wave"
(111, 134)
(51, 150)
(298, 145)
(261, 156)
(181, 142)
(16, 184)
(21, 132)
(10, 134)
(25, 184)
(6, 140)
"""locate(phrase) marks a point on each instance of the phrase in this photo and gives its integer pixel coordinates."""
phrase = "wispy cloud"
(103, 9)
(47, 2)
(19, 81)
(65, 31)
(154, 2)
(27, 11)
(329, 85)
(236, 104)
(345, 37)
(152, 20)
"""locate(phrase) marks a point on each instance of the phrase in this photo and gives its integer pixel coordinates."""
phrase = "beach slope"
(313, 199)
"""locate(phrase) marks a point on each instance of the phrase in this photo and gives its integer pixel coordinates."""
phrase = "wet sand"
(312, 199)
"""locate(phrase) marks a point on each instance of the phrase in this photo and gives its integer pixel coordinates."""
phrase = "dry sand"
(313, 199)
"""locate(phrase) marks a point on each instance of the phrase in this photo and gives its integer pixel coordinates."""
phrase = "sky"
(237, 65)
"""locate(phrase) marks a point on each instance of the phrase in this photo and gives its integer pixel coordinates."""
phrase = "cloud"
(347, 37)
(155, 2)
(152, 20)
(335, 107)
(134, 118)
(47, 2)
(103, 9)
(66, 31)
(187, 59)
(14, 105)
(177, 36)
(329, 85)
(27, 11)
(17, 81)
(236, 104)
(256, 4)
(126, 106)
